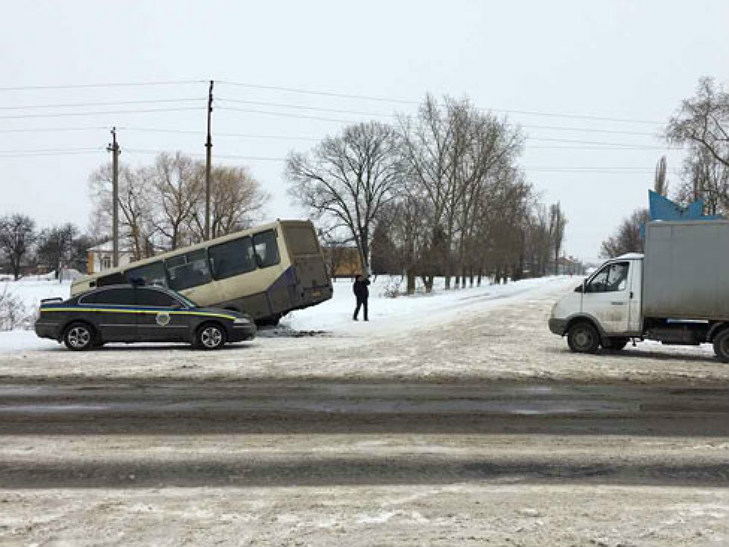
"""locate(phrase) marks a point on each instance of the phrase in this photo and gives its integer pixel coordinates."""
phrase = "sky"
(283, 69)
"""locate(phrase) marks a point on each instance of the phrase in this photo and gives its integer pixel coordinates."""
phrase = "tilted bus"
(266, 271)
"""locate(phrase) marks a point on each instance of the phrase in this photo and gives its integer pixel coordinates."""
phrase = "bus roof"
(190, 248)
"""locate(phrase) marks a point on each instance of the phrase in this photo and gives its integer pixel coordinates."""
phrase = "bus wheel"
(210, 336)
(583, 338)
(79, 336)
(721, 345)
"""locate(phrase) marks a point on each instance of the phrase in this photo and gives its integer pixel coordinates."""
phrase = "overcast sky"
(622, 60)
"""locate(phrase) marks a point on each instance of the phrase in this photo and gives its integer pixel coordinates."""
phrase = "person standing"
(361, 293)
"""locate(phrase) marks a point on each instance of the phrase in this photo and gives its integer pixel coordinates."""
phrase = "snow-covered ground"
(386, 313)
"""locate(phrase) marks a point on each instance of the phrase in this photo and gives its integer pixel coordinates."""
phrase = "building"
(101, 257)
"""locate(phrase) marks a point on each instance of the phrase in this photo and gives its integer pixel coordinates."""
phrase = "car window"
(121, 296)
(152, 274)
(611, 278)
(152, 297)
(188, 270)
(232, 258)
(266, 248)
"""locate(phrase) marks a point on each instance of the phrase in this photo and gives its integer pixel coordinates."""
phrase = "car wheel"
(615, 344)
(210, 336)
(583, 338)
(721, 345)
(79, 337)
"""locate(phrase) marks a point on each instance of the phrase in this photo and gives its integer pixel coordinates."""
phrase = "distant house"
(101, 257)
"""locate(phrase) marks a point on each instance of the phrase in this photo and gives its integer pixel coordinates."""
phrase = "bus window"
(111, 279)
(301, 240)
(188, 270)
(232, 258)
(152, 274)
(266, 248)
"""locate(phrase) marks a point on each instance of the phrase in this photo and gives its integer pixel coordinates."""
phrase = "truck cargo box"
(686, 270)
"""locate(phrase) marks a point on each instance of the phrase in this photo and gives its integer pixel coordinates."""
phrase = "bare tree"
(55, 246)
(557, 223)
(17, 234)
(178, 190)
(703, 177)
(236, 201)
(660, 184)
(703, 120)
(347, 179)
(627, 238)
(136, 205)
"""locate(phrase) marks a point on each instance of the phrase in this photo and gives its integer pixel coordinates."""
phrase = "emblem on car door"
(163, 319)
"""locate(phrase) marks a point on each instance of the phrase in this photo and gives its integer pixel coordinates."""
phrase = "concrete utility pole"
(208, 160)
(115, 151)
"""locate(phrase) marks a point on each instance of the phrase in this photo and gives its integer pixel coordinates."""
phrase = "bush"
(13, 313)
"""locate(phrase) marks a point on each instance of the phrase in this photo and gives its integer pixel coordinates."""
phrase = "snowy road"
(461, 420)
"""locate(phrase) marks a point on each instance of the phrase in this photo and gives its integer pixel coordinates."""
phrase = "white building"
(101, 257)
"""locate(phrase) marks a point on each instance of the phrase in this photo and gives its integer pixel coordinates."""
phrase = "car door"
(113, 313)
(607, 297)
(161, 316)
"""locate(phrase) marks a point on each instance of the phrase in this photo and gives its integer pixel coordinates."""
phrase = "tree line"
(23, 246)
(162, 205)
(439, 193)
(701, 124)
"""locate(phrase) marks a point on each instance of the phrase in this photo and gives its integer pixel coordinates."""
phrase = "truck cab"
(605, 309)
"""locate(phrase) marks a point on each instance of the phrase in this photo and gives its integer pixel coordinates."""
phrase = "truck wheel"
(79, 336)
(615, 344)
(210, 336)
(583, 338)
(721, 345)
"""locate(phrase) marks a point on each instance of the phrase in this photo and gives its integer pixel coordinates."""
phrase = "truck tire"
(582, 337)
(721, 346)
(615, 343)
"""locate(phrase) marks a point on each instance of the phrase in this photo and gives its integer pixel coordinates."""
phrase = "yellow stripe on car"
(117, 310)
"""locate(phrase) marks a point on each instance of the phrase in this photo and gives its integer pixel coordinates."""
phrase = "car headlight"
(241, 321)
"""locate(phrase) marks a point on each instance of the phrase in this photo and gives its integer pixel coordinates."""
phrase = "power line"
(51, 129)
(47, 152)
(304, 107)
(97, 113)
(114, 103)
(100, 85)
(411, 102)
(340, 120)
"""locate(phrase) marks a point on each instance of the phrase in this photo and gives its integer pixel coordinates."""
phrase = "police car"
(132, 313)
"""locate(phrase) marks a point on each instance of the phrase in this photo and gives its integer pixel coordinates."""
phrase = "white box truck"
(676, 293)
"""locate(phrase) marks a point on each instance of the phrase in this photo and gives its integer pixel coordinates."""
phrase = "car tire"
(582, 337)
(615, 343)
(721, 346)
(79, 336)
(210, 336)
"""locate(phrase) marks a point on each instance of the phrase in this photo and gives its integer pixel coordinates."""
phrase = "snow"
(334, 316)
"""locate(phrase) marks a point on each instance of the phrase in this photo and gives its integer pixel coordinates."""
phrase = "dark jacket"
(360, 288)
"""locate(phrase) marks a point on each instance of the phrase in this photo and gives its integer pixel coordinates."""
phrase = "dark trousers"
(361, 302)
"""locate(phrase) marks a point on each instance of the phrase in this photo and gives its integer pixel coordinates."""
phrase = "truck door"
(607, 297)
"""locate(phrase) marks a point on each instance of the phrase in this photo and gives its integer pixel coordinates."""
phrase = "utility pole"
(115, 151)
(208, 160)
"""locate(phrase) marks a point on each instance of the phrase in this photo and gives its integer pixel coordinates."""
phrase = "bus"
(265, 272)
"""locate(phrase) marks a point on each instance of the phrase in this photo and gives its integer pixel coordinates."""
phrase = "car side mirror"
(580, 288)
